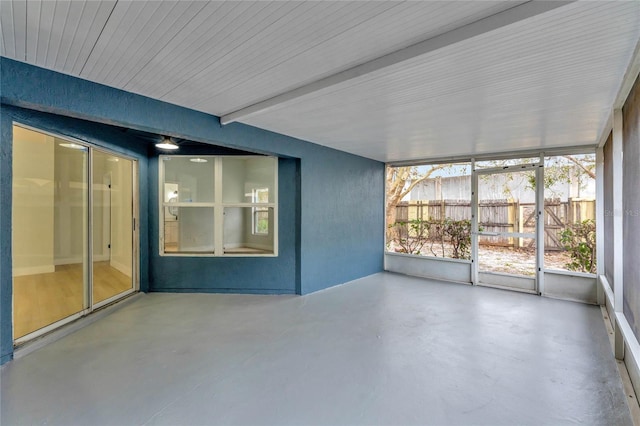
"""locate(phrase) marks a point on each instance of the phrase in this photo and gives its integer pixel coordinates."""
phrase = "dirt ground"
(507, 259)
(519, 261)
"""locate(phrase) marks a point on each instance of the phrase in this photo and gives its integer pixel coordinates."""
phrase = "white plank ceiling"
(548, 80)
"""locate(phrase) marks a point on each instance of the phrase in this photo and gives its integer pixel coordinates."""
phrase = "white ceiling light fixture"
(167, 143)
(198, 160)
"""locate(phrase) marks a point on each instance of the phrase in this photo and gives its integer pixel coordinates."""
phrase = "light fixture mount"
(167, 143)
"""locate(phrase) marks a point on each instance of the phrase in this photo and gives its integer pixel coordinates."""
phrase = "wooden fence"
(504, 216)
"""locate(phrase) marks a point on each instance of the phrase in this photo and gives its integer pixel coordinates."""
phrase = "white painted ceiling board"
(56, 35)
(232, 25)
(166, 65)
(94, 17)
(125, 18)
(373, 29)
(13, 15)
(517, 88)
(236, 76)
(144, 49)
(547, 81)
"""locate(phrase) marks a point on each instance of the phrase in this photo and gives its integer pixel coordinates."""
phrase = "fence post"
(519, 224)
(512, 219)
(570, 212)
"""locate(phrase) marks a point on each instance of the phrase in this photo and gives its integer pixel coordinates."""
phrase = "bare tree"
(400, 182)
(585, 163)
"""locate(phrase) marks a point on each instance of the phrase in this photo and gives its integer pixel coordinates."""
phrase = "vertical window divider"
(540, 237)
(474, 223)
(161, 204)
(275, 208)
(88, 288)
(218, 210)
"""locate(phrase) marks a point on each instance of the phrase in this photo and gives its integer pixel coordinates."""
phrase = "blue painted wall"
(332, 203)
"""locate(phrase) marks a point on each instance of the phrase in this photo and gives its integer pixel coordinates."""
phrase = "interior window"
(218, 205)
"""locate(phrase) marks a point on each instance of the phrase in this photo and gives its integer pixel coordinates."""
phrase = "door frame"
(538, 235)
(88, 306)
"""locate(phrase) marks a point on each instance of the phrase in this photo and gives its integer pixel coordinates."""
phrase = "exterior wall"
(332, 225)
(631, 207)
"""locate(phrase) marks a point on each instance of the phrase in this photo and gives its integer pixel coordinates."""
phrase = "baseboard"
(124, 268)
(33, 270)
(6, 358)
(79, 259)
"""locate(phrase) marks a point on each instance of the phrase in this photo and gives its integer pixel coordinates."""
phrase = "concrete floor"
(386, 349)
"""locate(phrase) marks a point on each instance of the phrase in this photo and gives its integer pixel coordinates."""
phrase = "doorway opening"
(506, 225)
(73, 230)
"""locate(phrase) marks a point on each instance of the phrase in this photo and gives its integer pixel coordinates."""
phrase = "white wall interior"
(33, 202)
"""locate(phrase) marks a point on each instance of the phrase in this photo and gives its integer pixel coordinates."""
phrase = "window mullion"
(218, 211)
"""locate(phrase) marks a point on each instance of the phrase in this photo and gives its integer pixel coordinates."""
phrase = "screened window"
(215, 206)
(429, 210)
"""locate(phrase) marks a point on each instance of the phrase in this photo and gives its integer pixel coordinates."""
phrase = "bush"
(579, 240)
(413, 236)
(459, 233)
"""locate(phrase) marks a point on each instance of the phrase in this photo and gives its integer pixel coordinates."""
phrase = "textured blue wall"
(6, 339)
(337, 231)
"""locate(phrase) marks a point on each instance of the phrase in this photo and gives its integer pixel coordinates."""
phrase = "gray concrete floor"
(386, 349)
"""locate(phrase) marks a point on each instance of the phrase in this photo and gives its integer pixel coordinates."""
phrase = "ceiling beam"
(501, 19)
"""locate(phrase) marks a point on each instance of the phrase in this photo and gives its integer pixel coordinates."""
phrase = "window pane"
(432, 217)
(260, 221)
(239, 230)
(49, 229)
(188, 230)
(247, 179)
(112, 225)
(570, 213)
(192, 178)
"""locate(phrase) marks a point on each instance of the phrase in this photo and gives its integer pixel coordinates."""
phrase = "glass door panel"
(49, 224)
(112, 228)
(507, 223)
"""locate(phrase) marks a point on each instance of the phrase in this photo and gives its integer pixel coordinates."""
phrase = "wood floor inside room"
(42, 299)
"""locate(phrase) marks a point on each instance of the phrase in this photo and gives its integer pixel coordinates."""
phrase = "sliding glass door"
(112, 225)
(73, 243)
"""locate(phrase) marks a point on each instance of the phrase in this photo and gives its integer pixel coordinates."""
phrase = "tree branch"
(578, 163)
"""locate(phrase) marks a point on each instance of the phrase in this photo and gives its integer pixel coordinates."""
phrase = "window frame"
(255, 211)
(218, 206)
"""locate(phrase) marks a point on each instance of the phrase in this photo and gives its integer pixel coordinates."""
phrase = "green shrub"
(413, 236)
(459, 235)
(579, 240)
